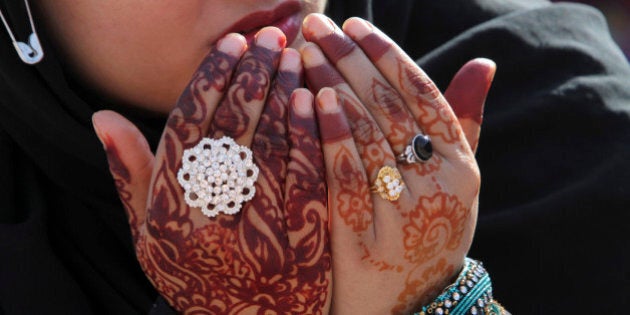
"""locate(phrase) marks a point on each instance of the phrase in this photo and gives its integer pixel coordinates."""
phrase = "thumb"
(130, 162)
(467, 95)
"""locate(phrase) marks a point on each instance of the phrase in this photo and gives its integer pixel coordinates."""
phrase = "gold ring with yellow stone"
(389, 184)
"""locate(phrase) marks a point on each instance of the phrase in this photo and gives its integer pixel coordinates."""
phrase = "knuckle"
(184, 128)
(422, 85)
(270, 146)
(365, 130)
(387, 101)
(343, 48)
(313, 187)
(230, 121)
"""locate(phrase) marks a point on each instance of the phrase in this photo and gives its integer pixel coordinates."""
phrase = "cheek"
(142, 55)
(157, 55)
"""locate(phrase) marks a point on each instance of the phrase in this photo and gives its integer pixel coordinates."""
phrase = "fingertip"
(316, 25)
(233, 44)
(103, 121)
(489, 63)
(111, 126)
(357, 28)
(327, 100)
(272, 38)
(290, 61)
(469, 88)
(480, 69)
(302, 102)
(96, 124)
(312, 56)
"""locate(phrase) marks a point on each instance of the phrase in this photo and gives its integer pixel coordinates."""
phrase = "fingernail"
(327, 101)
(232, 44)
(290, 61)
(271, 38)
(312, 56)
(302, 101)
(357, 27)
(487, 61)
(97, 129)
(318, 26)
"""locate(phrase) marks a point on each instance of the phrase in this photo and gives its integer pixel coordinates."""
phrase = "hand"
(392, 256)
(271, 257)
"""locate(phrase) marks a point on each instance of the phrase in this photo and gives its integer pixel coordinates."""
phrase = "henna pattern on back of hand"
(272, 257)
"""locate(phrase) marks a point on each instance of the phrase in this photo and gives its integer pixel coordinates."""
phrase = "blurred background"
(618, 15)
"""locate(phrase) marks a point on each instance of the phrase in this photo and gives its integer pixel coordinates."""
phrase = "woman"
(84, 213)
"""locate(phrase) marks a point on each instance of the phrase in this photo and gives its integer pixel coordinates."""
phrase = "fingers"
(467, 94)
(270, 144)
(271, 147)
(225, 97)
(349, 196)
(372, 89)
(238, 114)
(130, 162)
(423, 99)
(189, 121)
(305, 190)
(305, 193)
(368, 137)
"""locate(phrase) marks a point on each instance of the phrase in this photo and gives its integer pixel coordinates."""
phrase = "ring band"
(218, 175)
(419, 149)
(388, 184)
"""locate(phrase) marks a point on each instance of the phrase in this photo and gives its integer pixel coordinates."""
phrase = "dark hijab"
(554, 151)
(64, 241)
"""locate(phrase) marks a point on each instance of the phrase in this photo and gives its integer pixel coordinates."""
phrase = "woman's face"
(143, 52)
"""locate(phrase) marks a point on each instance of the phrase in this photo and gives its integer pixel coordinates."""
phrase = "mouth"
(286, 17)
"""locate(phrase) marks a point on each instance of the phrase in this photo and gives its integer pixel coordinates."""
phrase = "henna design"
(374, 46)
(469, 111)
(191, 110)
(241, 263)
(437, 224)
(253, 76)
(433, 236)
(391, 107)
(367, 136)
(122, 178)
(308, 220)
(434, 118)
(423, 286)
(470, 105)
(324, 75)
(353, 198)
(336, 127)
(336, 44)
(431, 166)
(381, 265)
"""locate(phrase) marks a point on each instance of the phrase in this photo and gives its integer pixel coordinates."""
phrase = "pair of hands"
(318, 156)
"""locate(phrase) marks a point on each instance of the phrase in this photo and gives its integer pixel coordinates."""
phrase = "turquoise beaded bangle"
(470, 294)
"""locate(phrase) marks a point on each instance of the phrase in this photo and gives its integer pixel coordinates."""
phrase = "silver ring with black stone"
(419, 150)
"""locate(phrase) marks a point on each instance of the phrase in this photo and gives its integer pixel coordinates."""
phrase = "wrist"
(470, 293)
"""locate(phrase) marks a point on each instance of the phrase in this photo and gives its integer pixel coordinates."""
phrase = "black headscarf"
(64, 242)
(553, 154)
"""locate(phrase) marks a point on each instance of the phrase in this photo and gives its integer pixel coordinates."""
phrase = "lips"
(286, 17)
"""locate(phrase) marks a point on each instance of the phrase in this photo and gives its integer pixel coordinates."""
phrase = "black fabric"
(553, 155)
(554, 150)
(65, 242)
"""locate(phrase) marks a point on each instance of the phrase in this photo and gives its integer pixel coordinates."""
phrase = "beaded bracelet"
(470, 294)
